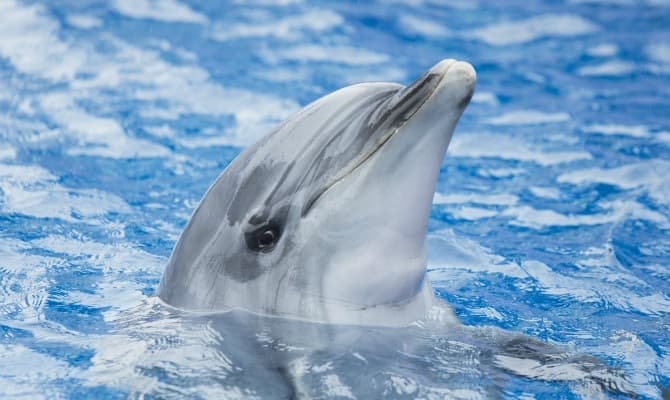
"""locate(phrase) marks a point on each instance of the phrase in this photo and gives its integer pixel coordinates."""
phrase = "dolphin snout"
(460, 70)
(457, 83)
(464, 72)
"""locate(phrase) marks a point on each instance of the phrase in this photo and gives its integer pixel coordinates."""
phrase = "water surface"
(551, 217)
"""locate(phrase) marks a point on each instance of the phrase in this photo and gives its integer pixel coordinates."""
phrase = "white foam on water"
(7, 152)
(16, 259)
(166, 46)
(651, 175)
(282, 74)
(278, 3)
(611, 2)
(595, 289)
(501, 172)
(115, 356)
(545, 192)
(341, 54)
(113, 353)
(334, 387)
(488, 98)
(509, 148)
(24, 287)
(488, 312)
(659, 3)
(422, 26)
(638, 131)
(528, 117)
(603, 50)
(83, 21)
(188, 90)
(602, 263)
(91, 73)
(117, 258)
(658, 68)
(626, 176)
(311, 22)
(636, 211)
(404, 384)
(97, 136)
(664, 359)
(117, 261)
(448, 252)
(659, 52)
(109, 292)
(162, 131)
(469, 212)
(14, 124)
(209, 391)
(608, 68)
(24, 174)
(527, 30)
(530, 217)
(561, 138)
(32, 190)
(205, 141)
(408, 387)
(472, 213)
(632, 349)
(121, 358)
(383, 73)
(460, 4)
(657, 270)
(40, 53)
(26, 380)
(476, 198)
(160, 10)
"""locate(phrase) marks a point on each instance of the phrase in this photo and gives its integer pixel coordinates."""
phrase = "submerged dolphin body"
(325, 218)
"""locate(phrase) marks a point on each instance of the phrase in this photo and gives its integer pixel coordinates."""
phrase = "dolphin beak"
(440, 96)
(458, 79)
(464, 69)
(450, 83)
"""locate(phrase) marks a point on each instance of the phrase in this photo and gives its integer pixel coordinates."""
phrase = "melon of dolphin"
(325, 218)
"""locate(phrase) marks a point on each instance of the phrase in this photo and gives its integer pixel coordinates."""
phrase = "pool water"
(551, 217)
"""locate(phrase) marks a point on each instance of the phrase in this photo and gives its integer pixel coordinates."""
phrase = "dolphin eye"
(263, 239)
(267, 239)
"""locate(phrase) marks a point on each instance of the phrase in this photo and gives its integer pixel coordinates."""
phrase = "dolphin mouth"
(395, 112)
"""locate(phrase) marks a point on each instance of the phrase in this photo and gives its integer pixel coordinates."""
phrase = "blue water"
(552, 215)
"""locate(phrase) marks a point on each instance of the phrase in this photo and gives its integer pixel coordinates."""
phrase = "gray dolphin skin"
(325, 218)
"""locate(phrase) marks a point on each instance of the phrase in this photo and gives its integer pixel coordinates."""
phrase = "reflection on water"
(165, 353)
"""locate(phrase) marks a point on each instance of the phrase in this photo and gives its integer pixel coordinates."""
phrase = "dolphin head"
(325, 218)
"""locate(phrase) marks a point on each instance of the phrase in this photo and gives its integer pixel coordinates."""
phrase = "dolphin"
(325, 218)
(324, 222)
